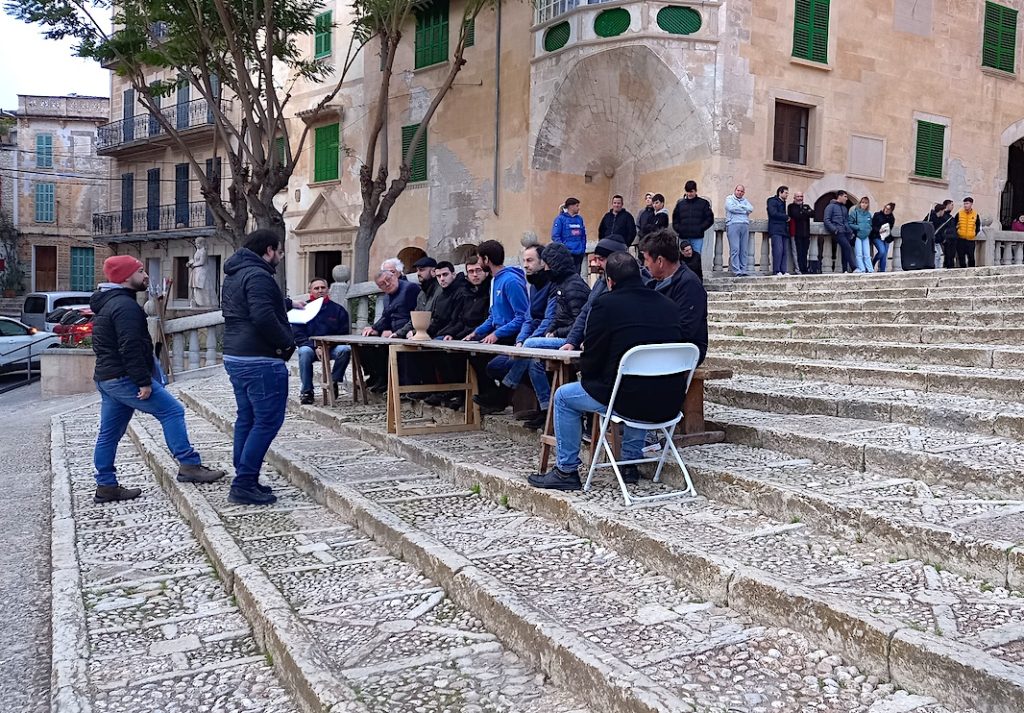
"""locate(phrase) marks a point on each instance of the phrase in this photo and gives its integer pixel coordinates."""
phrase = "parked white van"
(39, 304)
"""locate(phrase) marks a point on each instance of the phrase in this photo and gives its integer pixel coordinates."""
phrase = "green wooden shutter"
(999, 46)
(679, 20)
(928, 157)
(432, 34)
(611, 23)
(83, 269)
(282, 156)
(325, 153)
(44, 203)
(556, 36)
(418, 167)
(470, 32)
(44, 150)
(810, 30)
(322, 35)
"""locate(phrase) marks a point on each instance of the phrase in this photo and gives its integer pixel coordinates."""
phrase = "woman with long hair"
(860, 224)
(881, 242)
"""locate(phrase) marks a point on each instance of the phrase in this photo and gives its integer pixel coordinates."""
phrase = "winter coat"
(692, 217)
(687, 292)
(622, 225)
(693, 263)
(571, 232)
(579, 327)
(835, 220)
(644, 221)
(945, 226)
(120, 337)
(800, 214)
(476, 302)
(567, 294)
(397, 307)
(660, 220)
(429, 291)
(331, 319)
(448, 306)
(537, 289)
(737, 210)
(860, 222)
(878, 220)
(255, 319)
(778, 219)
(509, 304)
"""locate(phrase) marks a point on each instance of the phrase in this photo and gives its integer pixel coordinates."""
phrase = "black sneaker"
(251, 495)
(630, 474)
(305, 397)
(114, 493)
(456, 403)
(537, 422)
(263, 488)
(556, 479)
(435, 400)
(489, 409)
(189, 473)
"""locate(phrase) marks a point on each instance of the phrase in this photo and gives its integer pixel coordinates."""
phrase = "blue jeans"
(698, 244)
(261, 393)
(119, 402)
(538, 374)
(862, 255)
(571, 402)
(307, 355)
(881, 252)
(779, 243)
(739, 247)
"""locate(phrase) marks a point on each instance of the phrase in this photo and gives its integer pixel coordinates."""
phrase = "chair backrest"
(657, 360)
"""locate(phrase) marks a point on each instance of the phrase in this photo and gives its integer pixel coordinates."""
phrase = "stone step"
(851, 315)
(980, 383)
(868, 292)
(141, 621)
(852, 301)
(783, 574)
(988, 417)
(349, 614)
(864, 330)
(931, 278)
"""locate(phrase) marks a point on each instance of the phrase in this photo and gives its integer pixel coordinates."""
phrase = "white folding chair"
(647, 360)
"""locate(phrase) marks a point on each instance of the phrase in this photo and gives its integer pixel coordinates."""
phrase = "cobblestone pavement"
(161, 633)
(388, 631)
(711, 655)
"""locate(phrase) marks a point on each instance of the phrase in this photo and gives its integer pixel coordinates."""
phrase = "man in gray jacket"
(836, 224)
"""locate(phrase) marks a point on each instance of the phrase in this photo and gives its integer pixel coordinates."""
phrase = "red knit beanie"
(120, 267)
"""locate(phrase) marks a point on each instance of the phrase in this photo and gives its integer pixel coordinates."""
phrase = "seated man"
(429, 290)
(661, 258)
(628, 315)
(691, 259)
(470, 311)
(399, 300)
(605, 248)
(331, 319)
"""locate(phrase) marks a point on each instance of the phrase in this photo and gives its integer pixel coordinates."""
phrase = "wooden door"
(46, 268)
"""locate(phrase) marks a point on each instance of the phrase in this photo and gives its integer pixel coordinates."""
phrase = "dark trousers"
(964, 253)
(577, 260)
(486, 384)
(802, 246)
(846, 251)
(779, 242)
(949, 253)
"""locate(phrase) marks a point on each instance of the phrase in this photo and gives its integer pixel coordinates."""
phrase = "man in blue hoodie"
(568, 229)
(509, 307)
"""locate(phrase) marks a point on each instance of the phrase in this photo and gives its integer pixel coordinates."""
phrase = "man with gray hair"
(393, 264)
(399, 300)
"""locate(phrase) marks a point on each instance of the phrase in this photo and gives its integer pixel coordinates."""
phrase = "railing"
(152, 218)
(1003, 247)
(29, 378)
(143, 127)
(202, 333)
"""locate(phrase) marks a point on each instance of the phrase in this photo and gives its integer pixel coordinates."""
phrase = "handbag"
(885, 233)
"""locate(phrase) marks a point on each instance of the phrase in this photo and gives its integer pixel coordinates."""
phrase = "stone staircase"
(854, 546)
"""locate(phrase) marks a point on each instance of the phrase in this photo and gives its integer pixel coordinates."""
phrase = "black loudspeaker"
(917, 246)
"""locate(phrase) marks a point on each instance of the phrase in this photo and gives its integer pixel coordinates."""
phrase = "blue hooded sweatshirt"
(509, 304)
(570, 232)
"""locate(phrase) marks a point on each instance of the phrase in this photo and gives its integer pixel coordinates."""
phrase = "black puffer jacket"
(568, 291)
(447, 306)
(476, 303)
(692, 217)
(255, 320)
(120, 337)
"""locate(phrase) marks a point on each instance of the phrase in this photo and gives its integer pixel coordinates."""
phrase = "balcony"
(142, 131)
(156, 222)
(158, 32)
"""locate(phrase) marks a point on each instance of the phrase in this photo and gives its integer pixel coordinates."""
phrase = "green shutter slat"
(679, 20)
(930, 143)
(322, 34)
(556, 37)
(418, 166)
(44, 202)
(44, 151)
(326, 150)
(611, 23)
(82, 269)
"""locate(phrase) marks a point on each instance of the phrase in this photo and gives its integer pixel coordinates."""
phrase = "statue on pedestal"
(200, 281)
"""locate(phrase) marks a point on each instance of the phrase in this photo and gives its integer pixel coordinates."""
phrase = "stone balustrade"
(195, 340)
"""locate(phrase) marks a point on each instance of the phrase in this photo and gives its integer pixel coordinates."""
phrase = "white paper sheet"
(303, 315)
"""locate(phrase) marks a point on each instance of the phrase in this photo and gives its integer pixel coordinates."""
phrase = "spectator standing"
(692, 217)
(881, 242)
(257, 342)
(569, 230)
(128, 379)
(836, 223)
(859, 219)
(968, 225)
(645, 216)
(737, 229)
(778, 229)
(618, 222)
(800, 215)
(331, 319)
(661, 218)
(941, 218)
(675, 281)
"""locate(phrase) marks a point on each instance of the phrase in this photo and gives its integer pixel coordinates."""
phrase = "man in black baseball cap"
(604, 248)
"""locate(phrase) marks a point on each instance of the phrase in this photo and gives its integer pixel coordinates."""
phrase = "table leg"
(563, 373)
(394, 414)
(358, 380)
(472, 409)
(326, 377)
(693, 408)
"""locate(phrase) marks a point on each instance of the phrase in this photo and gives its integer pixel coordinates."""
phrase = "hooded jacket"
(447, 306)
(425, 301)
(476, 301)
(397, 307)
(120, 336)
(644, 223)
(685, 290)
(509, 304)
(570, 231)
(538, 286)
(568, 292)
(255, 320)
(331, 319)
(692, 217)
(622, 225)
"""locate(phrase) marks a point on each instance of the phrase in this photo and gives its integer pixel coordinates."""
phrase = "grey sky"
(33, 64)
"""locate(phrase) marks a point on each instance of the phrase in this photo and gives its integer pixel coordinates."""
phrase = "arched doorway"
(409, 256)
(1012, 201)
(463, 253)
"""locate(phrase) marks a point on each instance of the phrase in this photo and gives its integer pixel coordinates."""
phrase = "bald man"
(737, 228)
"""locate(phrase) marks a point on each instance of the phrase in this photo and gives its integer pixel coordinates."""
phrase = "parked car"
(19, 341)
(38, 305)
(74, 326)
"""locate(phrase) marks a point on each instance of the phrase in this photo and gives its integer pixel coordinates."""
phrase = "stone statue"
(200, 281)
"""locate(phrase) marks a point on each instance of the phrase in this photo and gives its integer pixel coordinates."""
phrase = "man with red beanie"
(129, 380)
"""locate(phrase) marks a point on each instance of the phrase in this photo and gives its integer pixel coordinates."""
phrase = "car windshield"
(74, 316)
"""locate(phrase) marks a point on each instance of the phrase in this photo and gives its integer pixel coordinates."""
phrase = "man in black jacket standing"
(628, 315)
(692, 217)
(257, 342)
(128, 381)
(618, 221)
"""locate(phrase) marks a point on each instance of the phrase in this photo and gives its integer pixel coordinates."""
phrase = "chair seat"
(646, 425)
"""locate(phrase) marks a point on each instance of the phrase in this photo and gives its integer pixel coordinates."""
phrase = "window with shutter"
(790, 139)
(181, 194)
(83, 269)
(470, 32)
(557, 36)
(45, 208)
(679, 20)
(810, 30)
(418, 166)
(999, 45)
(931, 139)
(432, 34)
(611, 23)
(322, 35)
(44, 151)
(325, 153)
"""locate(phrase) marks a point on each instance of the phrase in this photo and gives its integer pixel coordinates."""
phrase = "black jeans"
(964, 253)
(802, 245)
(846, 251)
(485, 384)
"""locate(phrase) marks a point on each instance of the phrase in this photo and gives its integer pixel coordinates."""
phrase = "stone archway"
(409, 256)
(825, 198)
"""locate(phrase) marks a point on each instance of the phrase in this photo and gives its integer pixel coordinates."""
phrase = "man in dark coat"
(645, 216)
(837, 223)
(129, 380)
(604, 249)
(679, 284)
(626, 316)
(618, 221)
(399, 300)
(473, 310)
(692, 217)
(332, 319)
(257, 342)
(691, 259)
(800, 215)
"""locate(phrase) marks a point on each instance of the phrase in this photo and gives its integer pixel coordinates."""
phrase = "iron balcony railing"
(152, 218)
(143, 127)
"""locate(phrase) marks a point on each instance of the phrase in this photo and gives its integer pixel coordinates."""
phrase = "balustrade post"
(896, 259)
(766, 253)
(378, 308)
(829, 256)
(178, 353)
(211, 345)
(362, 312)
(719, 251)
(193, 349)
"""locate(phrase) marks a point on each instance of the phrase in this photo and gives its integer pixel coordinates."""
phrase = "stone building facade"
(911, 101)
